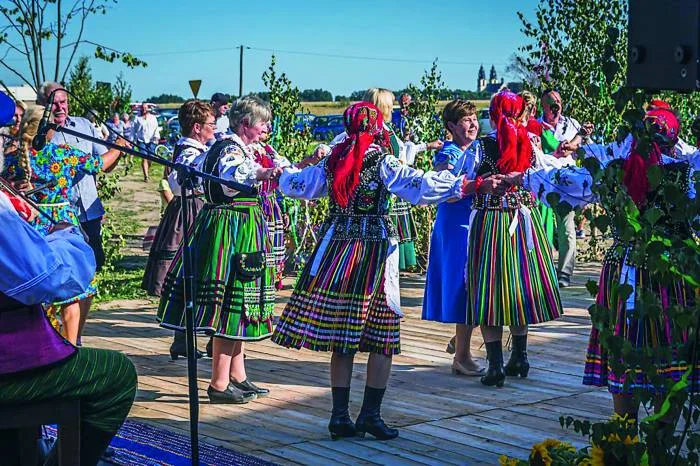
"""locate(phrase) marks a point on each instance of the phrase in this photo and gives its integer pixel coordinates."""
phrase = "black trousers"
(93, 230)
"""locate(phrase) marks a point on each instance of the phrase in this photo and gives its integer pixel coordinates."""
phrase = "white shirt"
(567, 128)
(222, 125)
(146, 129)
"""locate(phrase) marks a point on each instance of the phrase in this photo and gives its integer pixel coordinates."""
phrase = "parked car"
(304, 120)
(484, 121)
(326, 127)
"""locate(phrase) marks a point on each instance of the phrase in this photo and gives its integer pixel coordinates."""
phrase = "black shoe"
(231, 395)
(179, 347)
(495, 375)
(248, 386)
(375, 425)
(210, 347)
(341, 427)
(518, 363)
(177, 352)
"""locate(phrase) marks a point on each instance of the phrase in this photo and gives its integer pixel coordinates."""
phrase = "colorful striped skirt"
(225, 305)
(275, 227)
(643, 333)
(166, 243)
(343, 307)
(511, 275)
(402, 217)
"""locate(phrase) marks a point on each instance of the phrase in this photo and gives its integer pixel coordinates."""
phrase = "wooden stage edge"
(443, 419)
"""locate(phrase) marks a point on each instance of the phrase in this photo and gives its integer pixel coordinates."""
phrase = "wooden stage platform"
(443, 419)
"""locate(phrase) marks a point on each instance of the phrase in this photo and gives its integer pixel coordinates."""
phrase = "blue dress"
(445, 298)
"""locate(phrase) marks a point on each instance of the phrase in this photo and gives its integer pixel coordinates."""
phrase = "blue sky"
(183, 40)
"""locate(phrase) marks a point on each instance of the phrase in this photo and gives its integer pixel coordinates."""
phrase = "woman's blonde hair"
(383, 99)
(249, 107)
(27, 131)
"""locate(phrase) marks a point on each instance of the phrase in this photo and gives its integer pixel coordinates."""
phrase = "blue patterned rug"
(138, 444)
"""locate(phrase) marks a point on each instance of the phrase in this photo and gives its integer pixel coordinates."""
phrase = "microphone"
(39, 140)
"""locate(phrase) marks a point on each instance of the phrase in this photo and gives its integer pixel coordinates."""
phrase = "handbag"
(249, 265)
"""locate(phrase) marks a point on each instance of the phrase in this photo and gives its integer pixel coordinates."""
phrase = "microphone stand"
(187, 174)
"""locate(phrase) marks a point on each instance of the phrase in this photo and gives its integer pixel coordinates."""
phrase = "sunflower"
(55, 167)
(62, 182)
(503, 460)
(597, 456)
(73, 160)
(540, 455)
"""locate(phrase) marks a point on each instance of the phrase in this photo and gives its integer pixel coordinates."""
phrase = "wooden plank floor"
(443, 419)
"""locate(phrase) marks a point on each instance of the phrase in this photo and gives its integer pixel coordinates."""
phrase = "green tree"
(166, 99)
(580, 49)
(122, 95)
(295, 145)
(316, 95)
(425, 126)
(86, 95)
(45, 35)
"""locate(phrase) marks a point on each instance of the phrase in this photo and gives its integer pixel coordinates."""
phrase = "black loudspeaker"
(663, 44)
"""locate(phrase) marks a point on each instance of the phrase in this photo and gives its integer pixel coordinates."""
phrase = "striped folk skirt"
(402, 217)
(275, 227)
(511, 275)
(166, 243)
(226, 305)
(342, 307)
(653, 333)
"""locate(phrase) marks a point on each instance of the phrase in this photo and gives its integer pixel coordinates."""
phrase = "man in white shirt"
(219, 103)
(147, 134)
(565, 130)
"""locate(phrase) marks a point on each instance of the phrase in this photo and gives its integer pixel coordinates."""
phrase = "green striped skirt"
(511, 274)
(226, 304)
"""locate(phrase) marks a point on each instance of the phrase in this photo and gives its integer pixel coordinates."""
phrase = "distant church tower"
(492, 85)
(481, 80)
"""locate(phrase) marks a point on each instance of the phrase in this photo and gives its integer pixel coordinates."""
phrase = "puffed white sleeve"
(190, 157)
(572, 184)
(608, 152)
(308, 183)
(235, 165)
(418, 187)
(411, 150)
(279, 160)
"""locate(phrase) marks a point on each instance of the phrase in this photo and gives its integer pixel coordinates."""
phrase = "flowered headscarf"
(364, 125)
(513, 142)
(666, 128)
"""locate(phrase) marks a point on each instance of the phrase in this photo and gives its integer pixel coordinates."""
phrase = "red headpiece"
(364, 125)
(513, 141)
(666, 127)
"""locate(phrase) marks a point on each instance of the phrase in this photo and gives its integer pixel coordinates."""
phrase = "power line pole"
(240, 75)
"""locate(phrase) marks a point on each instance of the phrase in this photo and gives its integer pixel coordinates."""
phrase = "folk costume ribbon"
(513, 142)
(364, 125)
(666, 128)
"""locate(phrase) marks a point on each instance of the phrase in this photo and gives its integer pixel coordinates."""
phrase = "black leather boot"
(370, 420)
(495, 374)
(518, 363)
(340, 425)
(179, 347)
